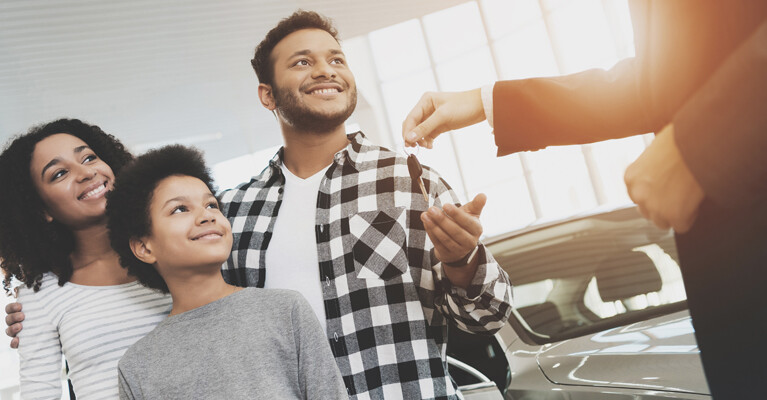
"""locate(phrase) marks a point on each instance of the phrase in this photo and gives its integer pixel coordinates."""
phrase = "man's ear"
(266, 95)
(142, 250)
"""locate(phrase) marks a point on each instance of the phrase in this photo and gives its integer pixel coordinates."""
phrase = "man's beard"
(303, 118)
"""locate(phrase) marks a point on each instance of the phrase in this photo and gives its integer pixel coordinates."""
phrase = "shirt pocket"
(380, 241)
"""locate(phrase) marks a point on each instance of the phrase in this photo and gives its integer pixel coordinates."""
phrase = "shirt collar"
(355, 152)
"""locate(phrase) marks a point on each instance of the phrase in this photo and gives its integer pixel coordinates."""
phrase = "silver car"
(600, 313)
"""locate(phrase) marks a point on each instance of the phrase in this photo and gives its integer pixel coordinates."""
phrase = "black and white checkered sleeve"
(486, 304)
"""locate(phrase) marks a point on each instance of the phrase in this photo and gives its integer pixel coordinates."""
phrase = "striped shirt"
(92, 326)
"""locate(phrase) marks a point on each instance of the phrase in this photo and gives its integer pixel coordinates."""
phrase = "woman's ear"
(142, 249)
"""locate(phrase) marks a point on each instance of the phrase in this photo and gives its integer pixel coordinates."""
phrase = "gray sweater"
(254, 344)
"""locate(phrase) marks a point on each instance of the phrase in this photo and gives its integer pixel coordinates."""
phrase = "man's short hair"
(300, 19)
(128, 204)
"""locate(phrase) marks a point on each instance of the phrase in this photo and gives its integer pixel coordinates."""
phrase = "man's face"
(313, 88)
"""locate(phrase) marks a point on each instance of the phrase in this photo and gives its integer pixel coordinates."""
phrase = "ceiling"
(152, 72)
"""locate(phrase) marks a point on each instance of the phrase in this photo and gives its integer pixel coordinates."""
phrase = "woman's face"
(71, 179)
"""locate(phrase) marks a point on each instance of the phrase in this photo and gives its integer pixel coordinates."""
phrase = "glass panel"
(477, 154)
(399, 50)
(526, 53)
(619, 18)
(230, 173)
(454, 30)
(402, 94)
(506, 16)
(442, 159)
(582, 36)
(508, 207)
(561, 181)
(592, 274)
(470, 70)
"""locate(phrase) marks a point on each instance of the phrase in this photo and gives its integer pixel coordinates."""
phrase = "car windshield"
(590, 274)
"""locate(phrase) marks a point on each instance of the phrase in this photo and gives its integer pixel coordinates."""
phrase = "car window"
(590, 274)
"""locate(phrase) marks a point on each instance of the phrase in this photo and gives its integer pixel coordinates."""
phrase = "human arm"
(13, 319)
(319, 376)
(530, 114)
(482, 306)
(714, 147)
(454, 232)
(40, 353)
(440, 112)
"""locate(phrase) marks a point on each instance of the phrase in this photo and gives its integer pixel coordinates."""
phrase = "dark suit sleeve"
(721, 131)
(593, 105)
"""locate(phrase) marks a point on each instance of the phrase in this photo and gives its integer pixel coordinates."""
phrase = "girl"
(78, 300)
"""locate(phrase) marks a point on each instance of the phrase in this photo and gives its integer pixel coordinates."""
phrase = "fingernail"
(433, 211)
(425, 218)
(411, 136)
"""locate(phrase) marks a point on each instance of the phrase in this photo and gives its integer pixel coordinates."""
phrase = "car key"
(415, 169)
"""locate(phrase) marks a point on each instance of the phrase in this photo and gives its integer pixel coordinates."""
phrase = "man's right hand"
(13, 320)
(437, 113)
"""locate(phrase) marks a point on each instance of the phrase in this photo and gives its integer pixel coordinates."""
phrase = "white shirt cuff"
(486, 92)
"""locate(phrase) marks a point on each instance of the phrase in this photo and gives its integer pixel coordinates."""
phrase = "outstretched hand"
(437, 113)
(454, 231)
(662, 185)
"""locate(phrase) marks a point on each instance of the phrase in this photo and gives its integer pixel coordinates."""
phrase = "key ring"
(414, 152)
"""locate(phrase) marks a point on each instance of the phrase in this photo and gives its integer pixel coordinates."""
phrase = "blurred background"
(154, 73)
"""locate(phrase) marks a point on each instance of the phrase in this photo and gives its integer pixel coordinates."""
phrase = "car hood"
(658, 354)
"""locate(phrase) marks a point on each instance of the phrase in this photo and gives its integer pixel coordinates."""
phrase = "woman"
(78, 300)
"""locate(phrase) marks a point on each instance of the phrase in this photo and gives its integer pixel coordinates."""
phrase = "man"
(699, 81)
(340, 220)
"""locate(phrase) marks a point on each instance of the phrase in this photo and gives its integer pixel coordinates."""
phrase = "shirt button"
(335, 336)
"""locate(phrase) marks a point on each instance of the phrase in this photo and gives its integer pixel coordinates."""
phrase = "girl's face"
(71, 180)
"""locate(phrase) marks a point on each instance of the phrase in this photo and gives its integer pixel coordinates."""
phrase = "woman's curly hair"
(128, 204)
(29, 245)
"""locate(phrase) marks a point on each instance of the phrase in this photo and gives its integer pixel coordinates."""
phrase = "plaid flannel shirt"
(386, 298)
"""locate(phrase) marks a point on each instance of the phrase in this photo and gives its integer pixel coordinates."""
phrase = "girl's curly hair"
(128, 204)
(29, 245)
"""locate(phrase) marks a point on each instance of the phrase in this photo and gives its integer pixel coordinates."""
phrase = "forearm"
(485, 304)
(593, 105)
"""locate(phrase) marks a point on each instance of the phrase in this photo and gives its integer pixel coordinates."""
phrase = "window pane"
(399, 50)
(526, 53)
(506, 16)
(453, 31)
(477, 154)
(402, 94)
(508, 207)
(561, 181)
(582, 36)
(442, 159)
(468, 71)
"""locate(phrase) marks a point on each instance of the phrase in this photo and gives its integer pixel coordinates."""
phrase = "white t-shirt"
(291, 257)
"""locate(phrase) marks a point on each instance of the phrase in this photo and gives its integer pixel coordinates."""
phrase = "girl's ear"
(142, 249)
